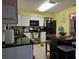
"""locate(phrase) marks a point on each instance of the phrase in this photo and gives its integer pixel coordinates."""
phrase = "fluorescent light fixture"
(47, 5)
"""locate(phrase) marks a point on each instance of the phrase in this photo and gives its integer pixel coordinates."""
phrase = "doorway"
(73, 24)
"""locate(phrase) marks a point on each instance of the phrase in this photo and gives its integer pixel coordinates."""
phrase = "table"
(64, 39)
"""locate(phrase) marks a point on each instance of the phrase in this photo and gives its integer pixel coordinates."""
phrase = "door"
(73, 24)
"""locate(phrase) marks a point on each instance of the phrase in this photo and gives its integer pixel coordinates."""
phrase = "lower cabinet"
(20, 52)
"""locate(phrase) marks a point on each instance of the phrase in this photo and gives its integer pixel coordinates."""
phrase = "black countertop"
(20, 44)
(14, 45)
(17, 45)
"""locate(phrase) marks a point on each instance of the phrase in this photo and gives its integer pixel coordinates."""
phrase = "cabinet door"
(41, 21)
(25, 21)
(21, 52)
(9, 11)
(24, 52)
(9, 53)
(19, 21)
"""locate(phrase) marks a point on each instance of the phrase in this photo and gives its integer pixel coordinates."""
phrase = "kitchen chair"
(53, 50)
(48, 42)
(66, 52)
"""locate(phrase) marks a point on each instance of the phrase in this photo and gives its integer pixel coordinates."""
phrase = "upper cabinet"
(9, 12)
(25, 20)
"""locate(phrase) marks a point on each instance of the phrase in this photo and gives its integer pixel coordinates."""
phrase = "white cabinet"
(41, 21)
(25, 21)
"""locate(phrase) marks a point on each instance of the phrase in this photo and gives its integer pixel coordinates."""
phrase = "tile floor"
(39, 51)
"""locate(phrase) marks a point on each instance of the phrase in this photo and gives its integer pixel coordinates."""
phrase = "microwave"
(34, 23)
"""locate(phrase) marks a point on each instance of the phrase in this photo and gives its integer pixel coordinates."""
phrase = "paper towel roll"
(9, 36)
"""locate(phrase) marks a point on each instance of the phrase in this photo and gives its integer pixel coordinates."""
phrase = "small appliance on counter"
(9, 36)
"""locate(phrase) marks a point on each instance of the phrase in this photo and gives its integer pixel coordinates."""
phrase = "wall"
(62, 18)
(28, 13)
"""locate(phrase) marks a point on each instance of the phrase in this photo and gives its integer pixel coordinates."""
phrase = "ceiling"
(32, 5)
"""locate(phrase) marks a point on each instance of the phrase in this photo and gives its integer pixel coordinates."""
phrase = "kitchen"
(24, 28)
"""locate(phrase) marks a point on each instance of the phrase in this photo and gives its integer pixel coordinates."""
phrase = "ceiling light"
(45, 6)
